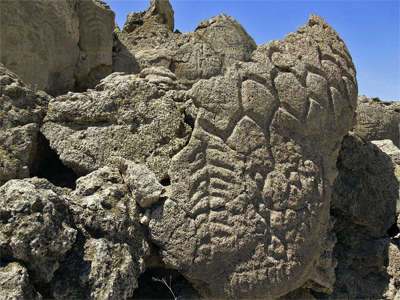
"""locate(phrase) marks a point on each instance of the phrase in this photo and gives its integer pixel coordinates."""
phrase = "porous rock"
(113, 270)
(57, 46)
(14, 283)
(364, 200)
(248, 212)
(206, 52)
(35, 226)
(366, 189)
(128, 116)
(21, 113)
(378, 120)
(109, 256)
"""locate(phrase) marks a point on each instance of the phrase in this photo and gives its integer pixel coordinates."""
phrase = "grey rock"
(125, 116)
(35, 226)
(21, 113)
(142, 183)
(214, 45)
(57, 46)
(366, 189)
(364, 200)
(15, 284)
(109, 256)
(378, 120)
(112, 273)
(248, 210)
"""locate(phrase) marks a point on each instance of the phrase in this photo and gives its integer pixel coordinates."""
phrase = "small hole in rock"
(166, 181)
(156, 284)
(189, 120)
(49, 166)
(393, 230)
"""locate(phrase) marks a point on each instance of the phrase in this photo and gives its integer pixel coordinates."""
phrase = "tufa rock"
(35, 228)
(366, 190)
(215, 44)
(21, 113)
(364, 200)
(57, 46)
(14, 283)
(248, 212)
(378, 120)
(128, 116)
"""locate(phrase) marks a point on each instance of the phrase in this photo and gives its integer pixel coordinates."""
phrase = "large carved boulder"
(57, 46)
(248, 208)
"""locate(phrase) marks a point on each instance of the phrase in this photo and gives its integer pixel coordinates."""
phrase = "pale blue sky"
(370, 29)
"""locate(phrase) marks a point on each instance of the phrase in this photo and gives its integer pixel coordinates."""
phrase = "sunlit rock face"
(248, 213)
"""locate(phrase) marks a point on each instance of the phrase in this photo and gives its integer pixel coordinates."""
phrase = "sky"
(370, 29)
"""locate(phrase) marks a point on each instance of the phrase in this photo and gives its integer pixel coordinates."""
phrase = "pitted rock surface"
(14, 283)
(111, 247)
(248, 212)
(21, 113)
(364, 200)
(206, 52)
(127, 115)
(35, 226)
(378, 120)
(57, 46)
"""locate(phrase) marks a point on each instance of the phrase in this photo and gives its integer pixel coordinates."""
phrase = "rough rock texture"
(132, 116)
(21, 113)
(35, 226)
(14, 283)
(109, 255)
(57, 46)
(364, 205)
(248, 211)
(206, 52)
(378, 120)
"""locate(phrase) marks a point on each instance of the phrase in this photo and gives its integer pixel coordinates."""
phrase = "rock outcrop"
(21, 114)
(365, 195)
(227, 166)
(378, 120)
(57, 46)
(132, 116)
(214, 45)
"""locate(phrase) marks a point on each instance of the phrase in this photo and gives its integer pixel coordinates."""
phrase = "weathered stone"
(21, 113)
(248, 212)
(34, 227)
(57, 46)
(364, 200)
(378, 120)
(214, 45)
(125, 116)
(113, 273)
(366, 189)
(110, 255)
(14, 283)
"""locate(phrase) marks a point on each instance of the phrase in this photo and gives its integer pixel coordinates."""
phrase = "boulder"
(365, 195)
(57, 46)
(35, 226)
(248, 209)
(132, 116)
(378, 120)
(21, 113)
(15, 284)
(214, 45)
